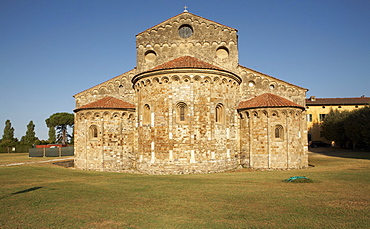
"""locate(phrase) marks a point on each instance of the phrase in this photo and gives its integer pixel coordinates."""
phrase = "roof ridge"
(267, 100)
(108, 102)
(186, 62)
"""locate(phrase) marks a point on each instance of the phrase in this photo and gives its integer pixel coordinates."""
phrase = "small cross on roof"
(185, 9)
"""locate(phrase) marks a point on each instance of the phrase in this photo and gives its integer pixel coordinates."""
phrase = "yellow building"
(318, 108)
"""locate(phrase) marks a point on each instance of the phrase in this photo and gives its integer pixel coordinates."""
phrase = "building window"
(182, 112)
(146, 114)
(93, 132)
(322, 117)
(279, 132)
(309, 117)
(220, 116)
(185, 31)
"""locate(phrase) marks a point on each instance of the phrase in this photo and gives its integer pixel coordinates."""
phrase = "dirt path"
(37, 162)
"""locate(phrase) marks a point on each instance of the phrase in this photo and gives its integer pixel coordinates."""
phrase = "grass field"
(49, 196)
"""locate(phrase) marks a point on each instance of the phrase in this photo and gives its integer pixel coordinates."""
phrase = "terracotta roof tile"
(107, 103)
(186, 62)
(338, 101)
(267, 100)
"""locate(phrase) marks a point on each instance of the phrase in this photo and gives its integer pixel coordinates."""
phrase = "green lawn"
(49, 196)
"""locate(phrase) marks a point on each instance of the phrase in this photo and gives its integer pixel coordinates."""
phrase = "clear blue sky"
(53, 49)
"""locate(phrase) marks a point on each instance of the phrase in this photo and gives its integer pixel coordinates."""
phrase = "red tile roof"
(267, 100)
(186, 62)
(338, 101)
(107, 103)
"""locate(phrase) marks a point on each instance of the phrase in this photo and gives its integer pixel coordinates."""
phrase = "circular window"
(150, 56)
(251, 84)
(185, 31)
(222, 52)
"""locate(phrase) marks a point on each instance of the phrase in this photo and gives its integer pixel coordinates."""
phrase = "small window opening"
(93, 131)
(220, 113)
(182, 111)
(279, 132)
(146, 114)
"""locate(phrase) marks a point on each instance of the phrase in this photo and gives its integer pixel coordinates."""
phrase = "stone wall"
(263, 148)
(199, 142)
(111, 149)
(210, 41)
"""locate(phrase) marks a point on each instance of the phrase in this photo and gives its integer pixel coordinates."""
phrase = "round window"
(185, 31)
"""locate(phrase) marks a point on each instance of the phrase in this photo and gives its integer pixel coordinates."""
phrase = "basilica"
(189, 107)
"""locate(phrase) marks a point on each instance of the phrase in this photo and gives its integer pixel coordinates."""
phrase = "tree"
(60, 122)
(30, 136)
(333, 127)
(357, 127)
(8, 139)
(8, 131)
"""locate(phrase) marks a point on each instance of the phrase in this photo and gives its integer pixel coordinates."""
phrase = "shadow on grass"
(26, 190)
(339, 152)
(20, 192)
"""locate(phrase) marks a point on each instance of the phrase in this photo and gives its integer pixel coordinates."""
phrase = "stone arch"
(97, 115)
(274, 113)
(103, 90)
(175, 78)
(165, 79)
(207, 79)
(155, 80)
(265, 113)
(186, 79)
(116, 115)
(196, 78)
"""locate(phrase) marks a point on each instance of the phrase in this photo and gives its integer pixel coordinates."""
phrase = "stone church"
(189, 107)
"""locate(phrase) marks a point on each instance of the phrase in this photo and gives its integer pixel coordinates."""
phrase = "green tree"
(60, 122)
(30, 137)
(357, 127)
(365, 117)
(8, 141)
(8, 131)
(333, 127)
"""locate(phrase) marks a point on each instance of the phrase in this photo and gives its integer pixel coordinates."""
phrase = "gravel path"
(37, 162)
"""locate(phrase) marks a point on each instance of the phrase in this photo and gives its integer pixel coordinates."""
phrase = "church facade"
(189, 107)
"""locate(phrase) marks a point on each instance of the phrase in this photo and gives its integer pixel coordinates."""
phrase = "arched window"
(146, 114)
(279, 132)
(182, 112)
(93, 132)
(220, 116)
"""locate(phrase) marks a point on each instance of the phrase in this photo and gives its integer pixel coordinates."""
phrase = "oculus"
(185, 31)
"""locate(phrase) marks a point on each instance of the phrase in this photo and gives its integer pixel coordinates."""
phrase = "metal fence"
(52, 152)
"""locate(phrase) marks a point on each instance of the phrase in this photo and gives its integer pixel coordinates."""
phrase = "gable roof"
(106, 103)
(337, 101)
(263, 74)
(184, 14)
(186, 62)
(267, 100)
